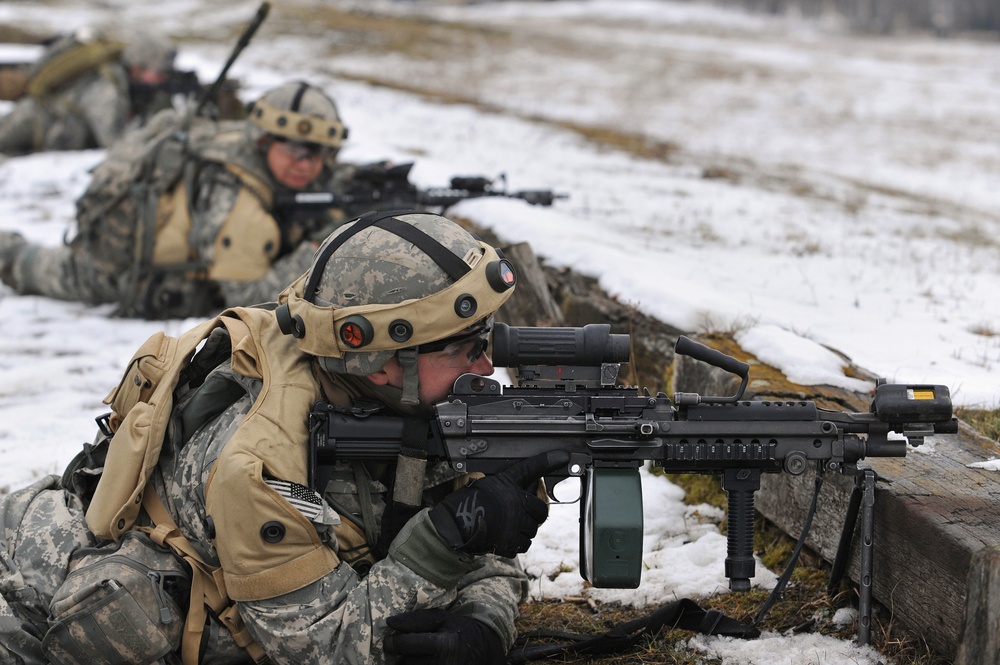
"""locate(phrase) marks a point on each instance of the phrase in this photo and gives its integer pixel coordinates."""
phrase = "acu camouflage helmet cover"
(297, 111)
(392, 281)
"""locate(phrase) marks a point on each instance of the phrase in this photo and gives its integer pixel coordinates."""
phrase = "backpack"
(143, 162)
(68, 59)
(117, 215)
(140, 404)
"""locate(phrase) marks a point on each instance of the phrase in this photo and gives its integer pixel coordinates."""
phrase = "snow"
(856, 213)
(16, 54)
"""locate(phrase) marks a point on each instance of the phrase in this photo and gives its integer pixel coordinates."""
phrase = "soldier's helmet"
(297, 111)
(394, 283)
(151, 52)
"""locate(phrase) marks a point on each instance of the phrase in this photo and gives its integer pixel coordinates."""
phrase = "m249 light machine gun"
(386, 186)
(566, 399)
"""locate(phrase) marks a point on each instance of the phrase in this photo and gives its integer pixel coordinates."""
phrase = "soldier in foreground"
(85, 92)
(206, 451)
(178, 219)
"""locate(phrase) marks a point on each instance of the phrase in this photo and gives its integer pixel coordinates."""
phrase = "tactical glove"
(438, 637)
(500, 513)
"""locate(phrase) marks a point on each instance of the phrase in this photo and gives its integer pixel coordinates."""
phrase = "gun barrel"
(890, 448)
(241, 44)
(538, 197)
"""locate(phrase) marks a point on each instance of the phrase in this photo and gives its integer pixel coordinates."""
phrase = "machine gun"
(386, 186)
(567, 400)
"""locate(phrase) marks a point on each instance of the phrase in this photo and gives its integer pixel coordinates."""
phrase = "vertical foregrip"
(740, 485)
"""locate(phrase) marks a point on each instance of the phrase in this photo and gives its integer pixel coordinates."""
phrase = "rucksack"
(117, 215)
(147, 160)
(68, 59)
(140, 404)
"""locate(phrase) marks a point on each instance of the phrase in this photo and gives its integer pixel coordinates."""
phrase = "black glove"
(438, 637)
(500, 513)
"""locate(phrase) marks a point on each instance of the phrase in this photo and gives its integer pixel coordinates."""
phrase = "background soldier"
(390, 555)
(180, 223)
(86, 90)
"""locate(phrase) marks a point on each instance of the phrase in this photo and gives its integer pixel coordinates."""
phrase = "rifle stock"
(566, 400)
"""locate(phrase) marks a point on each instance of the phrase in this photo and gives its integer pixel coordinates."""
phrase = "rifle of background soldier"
(384, 186)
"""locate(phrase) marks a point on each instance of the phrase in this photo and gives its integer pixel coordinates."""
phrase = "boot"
(11, 245)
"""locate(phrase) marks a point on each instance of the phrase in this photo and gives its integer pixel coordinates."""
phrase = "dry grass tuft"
(984, 421)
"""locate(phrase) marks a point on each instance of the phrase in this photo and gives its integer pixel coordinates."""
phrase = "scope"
(591, 345)
(471, 183)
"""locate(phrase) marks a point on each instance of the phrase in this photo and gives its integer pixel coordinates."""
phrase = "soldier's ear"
(379, 378)
(391, 374)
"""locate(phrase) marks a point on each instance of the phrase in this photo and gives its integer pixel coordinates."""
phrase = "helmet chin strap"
(411, 379)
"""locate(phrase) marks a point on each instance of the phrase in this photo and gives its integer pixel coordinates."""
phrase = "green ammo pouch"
(124, 605)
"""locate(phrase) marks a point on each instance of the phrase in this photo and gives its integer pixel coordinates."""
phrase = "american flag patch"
(306, 500)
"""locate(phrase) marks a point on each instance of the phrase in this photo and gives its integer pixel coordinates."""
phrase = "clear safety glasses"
(303, 151)
(460, 350)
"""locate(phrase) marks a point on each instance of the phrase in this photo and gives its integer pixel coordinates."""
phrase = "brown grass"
(984, 421)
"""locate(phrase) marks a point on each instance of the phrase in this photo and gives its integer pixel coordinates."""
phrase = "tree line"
(942, 17)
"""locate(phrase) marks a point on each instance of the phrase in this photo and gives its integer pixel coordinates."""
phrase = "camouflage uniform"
(337, 618)
(180, 219)
(341, 617)
(314, 572)
(96, 269)
(90, 112)
(91, 109)
(42, 526)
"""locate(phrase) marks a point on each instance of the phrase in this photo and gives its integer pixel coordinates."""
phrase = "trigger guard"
(550, 489)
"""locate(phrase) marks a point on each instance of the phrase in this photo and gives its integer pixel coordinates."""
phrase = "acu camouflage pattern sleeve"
(283, 272)
(491, 593)
(17, 128)
(341, 617)
(104, 104)
(42, 526)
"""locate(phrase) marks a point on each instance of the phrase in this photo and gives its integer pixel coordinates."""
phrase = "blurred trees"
(943, 17)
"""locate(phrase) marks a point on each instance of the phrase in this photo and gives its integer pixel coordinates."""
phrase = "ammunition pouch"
(121, 605)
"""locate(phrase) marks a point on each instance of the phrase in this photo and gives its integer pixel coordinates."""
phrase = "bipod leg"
(862, 503)
(867, 555)
(846, 537)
